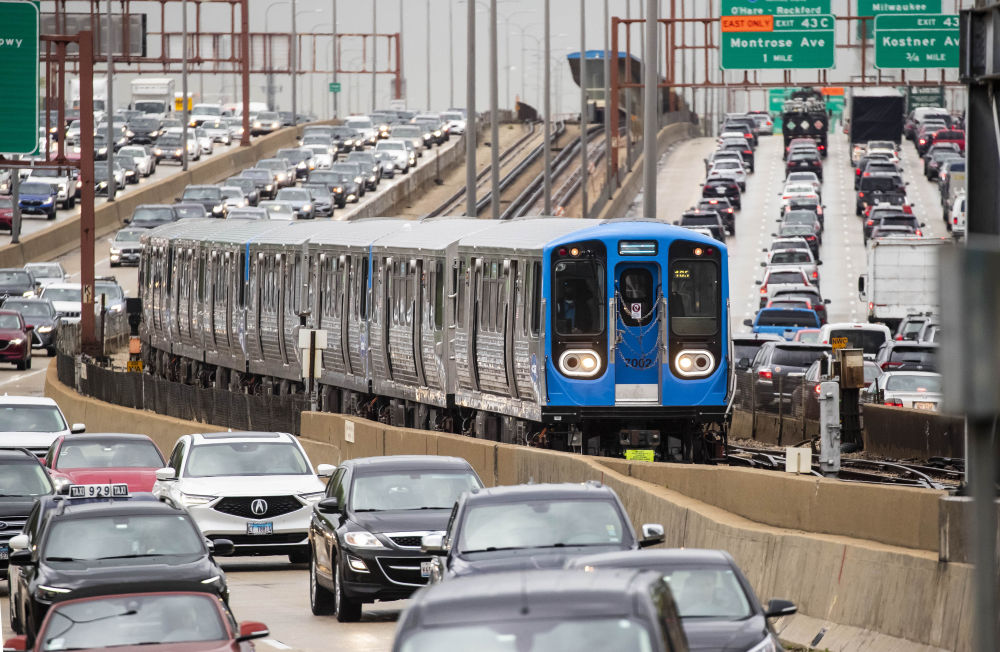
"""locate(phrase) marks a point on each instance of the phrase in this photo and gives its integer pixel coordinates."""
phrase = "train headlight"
(581, 363)
(695, 362)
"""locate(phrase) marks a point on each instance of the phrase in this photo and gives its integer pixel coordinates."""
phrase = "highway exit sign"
(884, 7)
(19, 81)
(334, 87)
(916, 41)
(776, 34)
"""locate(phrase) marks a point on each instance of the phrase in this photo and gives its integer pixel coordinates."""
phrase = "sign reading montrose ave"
(776, 34)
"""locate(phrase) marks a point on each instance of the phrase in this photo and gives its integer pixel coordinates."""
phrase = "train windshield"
(694, 298)
(579, 297)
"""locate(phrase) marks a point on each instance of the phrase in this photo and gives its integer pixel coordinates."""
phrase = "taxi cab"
(105, 457)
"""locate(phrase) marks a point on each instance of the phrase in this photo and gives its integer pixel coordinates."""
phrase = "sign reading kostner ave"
(19, 79)
(776, 34)
(916, 41)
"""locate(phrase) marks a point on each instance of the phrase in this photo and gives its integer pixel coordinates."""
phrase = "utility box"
(852, 368)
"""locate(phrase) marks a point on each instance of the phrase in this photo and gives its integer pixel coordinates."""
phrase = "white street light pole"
(583, 108)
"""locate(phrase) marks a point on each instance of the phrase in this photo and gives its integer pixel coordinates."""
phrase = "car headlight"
(102, 184)
(767, 645)
(362, 540)
(358, 179)
(696, 362)
(129, 134)
(301, 165)
(79, 184)
(217, 208)
(103, 150)
(312, 497)
(178, 153)
(427, 136)
(372, 178)
(275, 125)
(158, 151)
(338, 190)
(193, 500)
(116, 308)
(44, 329)
(437, 134)
(47, 202)
(17, 341)
(582, 363)
(50, 593)
(256, 124)
(281, 176)
(269, 187)
(307, 207)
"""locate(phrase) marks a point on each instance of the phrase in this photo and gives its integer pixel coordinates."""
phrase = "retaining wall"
(858, 592)
(902, 433)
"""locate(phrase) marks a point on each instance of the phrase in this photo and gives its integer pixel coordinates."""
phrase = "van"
(855, 335)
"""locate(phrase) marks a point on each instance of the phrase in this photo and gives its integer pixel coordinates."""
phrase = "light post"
(374, 55)
(333, 57)
(506, 51)
(583, 108)
(110, 111)
(184, 86)
(547, 103)
(650, 113)
(538, 44)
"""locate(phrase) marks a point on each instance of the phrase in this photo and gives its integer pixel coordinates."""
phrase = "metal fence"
(115, 330)
(218, 407)
(780, 410)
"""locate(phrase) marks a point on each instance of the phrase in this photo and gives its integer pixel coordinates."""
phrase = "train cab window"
(579, 292)
(635, 290)
(694, 298)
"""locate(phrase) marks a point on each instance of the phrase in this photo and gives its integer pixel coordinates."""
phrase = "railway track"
(941, 474)
(455, 204)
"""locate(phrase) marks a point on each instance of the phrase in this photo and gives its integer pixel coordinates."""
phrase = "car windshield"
(232, 193)
(870, 341)
(23, 478)
(128, 235)
(809, 337)
(541, 524)
(700, 220)
(162, 214)
(247, 214)
(797, 357)
(10, 322)
(791, 257)
(914, 383)
(708, 593)
(112, 292)
(390, 146)
(291, 194)
(132, 620)
(184, 212)
(536, 634)
(405, 132)
(278, 208)
(207, 110)
(786, 278)
(359, 123)
(913, 356)
(14, 277)
(108, 454)
(30, 418)
(245, 458)
(405, 490)
(61, 294)
(784, 317)
(202, 193)
(30, 308)
(122, 536)
(30, 188)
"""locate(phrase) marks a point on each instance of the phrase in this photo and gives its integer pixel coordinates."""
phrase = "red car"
(174, 620)
(15, 339)
(99, 458)
(6, 213)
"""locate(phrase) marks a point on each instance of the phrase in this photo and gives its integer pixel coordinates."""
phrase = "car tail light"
(908, 209)
(815, 275)
(894, 402)
(886, 366)
(870, 222)
(817, 389)
(920, 233)
(763, 289)
(764, 374)
(955, 220)
(861, 195)
(810, 237)
(867, 174)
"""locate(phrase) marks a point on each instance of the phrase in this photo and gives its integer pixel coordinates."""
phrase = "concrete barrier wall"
(901, 433)
(854, 593)
(669, 135)
(64, 235)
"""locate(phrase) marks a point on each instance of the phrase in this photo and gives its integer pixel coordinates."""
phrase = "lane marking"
(19, 377)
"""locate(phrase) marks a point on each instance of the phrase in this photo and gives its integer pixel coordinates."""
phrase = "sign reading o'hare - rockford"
(19, 79)
(776, 34)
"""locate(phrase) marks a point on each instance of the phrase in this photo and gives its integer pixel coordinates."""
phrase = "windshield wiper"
(134, 556)
(65, 559)
(492, 549)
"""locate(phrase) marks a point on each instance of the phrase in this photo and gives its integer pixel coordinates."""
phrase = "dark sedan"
(366, 534)
(43, 319)
(805, 162)
(717, 606)
(208, 196)
(15, 282)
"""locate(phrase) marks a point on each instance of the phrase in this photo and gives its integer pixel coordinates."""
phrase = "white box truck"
(902, 278)
(100, 93)
(153, 95)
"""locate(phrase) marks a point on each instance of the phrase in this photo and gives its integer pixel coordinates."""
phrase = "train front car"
(636, 342)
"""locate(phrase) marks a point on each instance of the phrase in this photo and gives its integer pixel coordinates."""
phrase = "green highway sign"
(19, 82)
(883, 7)
(918, 96)
(334, 87)
(916, 41)
(776, 34)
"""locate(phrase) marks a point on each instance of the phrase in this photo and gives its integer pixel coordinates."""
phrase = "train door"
(419, 298)
(511, 295)
(637, 329)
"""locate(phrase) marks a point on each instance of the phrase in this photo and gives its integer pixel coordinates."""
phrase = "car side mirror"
(433, 544)
(677, 223)
(758, 282)
(861, 284)
(166, 474)
(250, 630)
(28, 328)
(18, 542)
(774, 235)
(20, 558)
(222, 548)
(819, 262)
(763, 251)
(763, 264)
(325, 470)
(652, 534)
(748, 322)
(16, 644)
(779, 608)
(329, 506)
(77, 428)
(127, 220)
(923, 225)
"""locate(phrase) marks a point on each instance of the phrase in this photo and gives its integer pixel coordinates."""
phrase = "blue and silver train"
(603, 337)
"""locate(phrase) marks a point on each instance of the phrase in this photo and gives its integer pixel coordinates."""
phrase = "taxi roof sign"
(116, 490)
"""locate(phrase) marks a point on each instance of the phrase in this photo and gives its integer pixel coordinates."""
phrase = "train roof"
(241, 232)
(530, 234)
(360, 233)
(434, 233)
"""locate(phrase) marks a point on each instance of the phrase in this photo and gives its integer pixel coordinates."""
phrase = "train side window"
(438, 295)
(241, 280)
(363, 288)
(536, 297)
(201, 278)
(460, 294)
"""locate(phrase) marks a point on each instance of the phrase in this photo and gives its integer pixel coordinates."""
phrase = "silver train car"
(525, 332)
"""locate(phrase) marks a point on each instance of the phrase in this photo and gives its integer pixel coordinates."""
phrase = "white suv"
(253, 488)
(32, 422)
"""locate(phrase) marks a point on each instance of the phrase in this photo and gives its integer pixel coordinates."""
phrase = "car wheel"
(51, 216)
(347, 610)
(21, 365)
(51, 351)
(321, 601)
(27, 363)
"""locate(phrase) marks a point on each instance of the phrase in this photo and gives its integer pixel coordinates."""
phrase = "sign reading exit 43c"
(776, 34)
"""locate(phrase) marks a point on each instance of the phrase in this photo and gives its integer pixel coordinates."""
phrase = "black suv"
(727, 188)
(721, 206)
(698, 219)
(877, 187)
(804, 162)
(528, 527)
(22, 480)
(365, 535)
(778, 369)
(907, 355)
(545, 610)
(71, 548)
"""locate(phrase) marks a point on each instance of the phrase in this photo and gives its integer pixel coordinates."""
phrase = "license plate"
(4, 553)
(720, 190)
(924, 405)
(425, 568)
(260, 528)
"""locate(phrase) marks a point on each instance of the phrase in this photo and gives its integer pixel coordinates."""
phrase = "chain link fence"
(112, 330)
(777, 408)
(218, 407)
